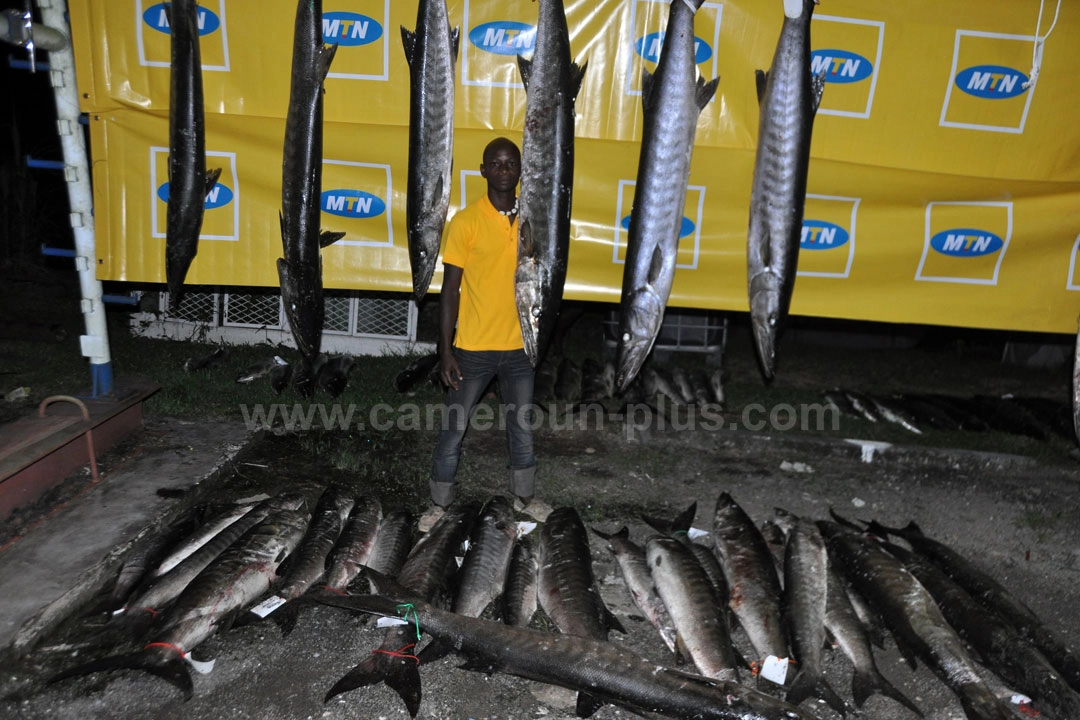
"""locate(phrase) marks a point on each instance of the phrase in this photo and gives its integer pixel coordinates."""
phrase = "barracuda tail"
(399, 672)
(807, 685)
(170, 667)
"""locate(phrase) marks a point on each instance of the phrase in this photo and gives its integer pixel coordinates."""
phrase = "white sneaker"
(536, 509)
(431, 516)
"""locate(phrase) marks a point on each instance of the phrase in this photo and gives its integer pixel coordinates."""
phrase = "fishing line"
(1037, 50)
(408, 608)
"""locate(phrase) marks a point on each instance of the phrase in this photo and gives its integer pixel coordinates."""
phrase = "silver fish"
(552, 82)
(635, 571)
(431, 51)
(672, 98)
(189, 181)
(519, 597)
(483, 571)
(694, 606)
(356, 543)
(393, 543)
(309, 563)
(300, 270)
(200, 537)
(788, 98)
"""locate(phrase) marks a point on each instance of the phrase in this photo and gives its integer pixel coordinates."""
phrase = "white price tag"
(385, 622)
(775, 669)
(268, 605)
(695, 533)
(524, 528)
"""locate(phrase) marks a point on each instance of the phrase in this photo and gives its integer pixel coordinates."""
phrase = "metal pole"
(95, 343)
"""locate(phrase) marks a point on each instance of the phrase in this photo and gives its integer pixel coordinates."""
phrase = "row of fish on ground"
(1034, 417)
(673, 96)
(330, 373)
(786, 594)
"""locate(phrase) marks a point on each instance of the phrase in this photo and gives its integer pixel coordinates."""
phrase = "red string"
(153, 613)
(399, 653)
(1026, 709)
(334, 590)
(177, 648)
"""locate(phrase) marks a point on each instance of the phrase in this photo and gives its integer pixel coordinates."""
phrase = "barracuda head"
(638, 326)
(765, 294)
(423, 259)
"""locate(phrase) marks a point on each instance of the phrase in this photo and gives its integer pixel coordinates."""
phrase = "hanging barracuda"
(552, 82)
(300, 271)
(788, 98)
(189, 181)
(672, 98)
(431, 51)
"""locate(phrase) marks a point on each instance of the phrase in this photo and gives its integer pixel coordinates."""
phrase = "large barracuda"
(604, 670)
(236, 578)
(751, 576)
(189, 182)
(913, 616)
(423, 575)
(200, 537)
(356, 543)
(431, 51)
(519, 594)
(697, 612)
(672, 99)
(552, 82)
(788, 99)
(300, 270)
(483, 572)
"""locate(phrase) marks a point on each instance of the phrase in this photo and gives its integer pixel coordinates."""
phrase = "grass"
(1043, 523)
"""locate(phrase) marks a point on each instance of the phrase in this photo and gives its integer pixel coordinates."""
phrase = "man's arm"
(449, 302)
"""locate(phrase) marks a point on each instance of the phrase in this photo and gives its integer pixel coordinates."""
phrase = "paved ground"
(1016, 518)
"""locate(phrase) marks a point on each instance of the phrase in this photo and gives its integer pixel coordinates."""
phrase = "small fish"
(217, 357)
(260, 369)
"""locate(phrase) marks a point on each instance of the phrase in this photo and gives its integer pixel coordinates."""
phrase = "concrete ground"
(57, 565)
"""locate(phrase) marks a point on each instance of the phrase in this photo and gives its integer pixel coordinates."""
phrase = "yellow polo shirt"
(484, 244)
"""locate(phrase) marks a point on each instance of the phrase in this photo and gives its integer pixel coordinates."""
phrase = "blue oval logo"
(966, 242)
(155, 17)
(352, 203)
(349, 29)
(822, 235)
(840, 66)
(504, 37)
(686, 228)
(649, 48)
(218, 196)
(993, 82)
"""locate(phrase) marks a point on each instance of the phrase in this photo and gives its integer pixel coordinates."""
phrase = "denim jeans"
(515, 377)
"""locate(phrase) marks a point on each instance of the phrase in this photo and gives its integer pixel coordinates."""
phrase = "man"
(478, 297)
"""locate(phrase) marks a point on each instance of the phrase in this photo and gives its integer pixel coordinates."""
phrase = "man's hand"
(449, 371)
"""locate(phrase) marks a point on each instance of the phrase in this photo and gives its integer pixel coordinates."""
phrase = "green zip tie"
(408, 608)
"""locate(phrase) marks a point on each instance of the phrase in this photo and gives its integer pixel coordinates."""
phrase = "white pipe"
(45, 38)
(95, 343)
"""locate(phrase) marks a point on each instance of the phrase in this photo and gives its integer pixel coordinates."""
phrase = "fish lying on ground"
(993, 595)
(280, 377)
(695, 609)
(519, 600)
(913, 616)
(424, 574)
(635, 571)
(233, 580)
(431, 51)
(300, 268)
(672, 98)
(392, 543)
(355, 545)
(423, 367)
(605, 671)
(552, 81)
(751, 575)
(208, 530)
(217, 357)
(260, 369)
(805, 606)
(788, 98)
(189, 181)
(482, 574)
(999, 645)
(333, 374)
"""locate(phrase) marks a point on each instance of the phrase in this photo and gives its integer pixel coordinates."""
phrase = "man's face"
(502, 167)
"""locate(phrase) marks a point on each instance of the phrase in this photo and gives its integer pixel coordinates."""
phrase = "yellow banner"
(943, 187)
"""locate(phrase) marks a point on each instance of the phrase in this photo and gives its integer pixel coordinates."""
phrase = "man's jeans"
(515, 374)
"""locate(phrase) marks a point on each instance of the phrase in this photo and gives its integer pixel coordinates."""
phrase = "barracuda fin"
(525, 68)
(807, 686)
(172, 669)
(705, 91)
(817, 88)
(455, 41)
(329, 237)
(577, 74)
(587, 705)
(762, 79)
(324, 57)
(212, 177)
(408, 39)
(399, 673)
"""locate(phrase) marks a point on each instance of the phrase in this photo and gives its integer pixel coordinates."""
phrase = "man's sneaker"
(431, 516)
(536, 509)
